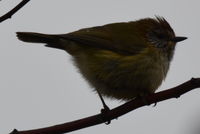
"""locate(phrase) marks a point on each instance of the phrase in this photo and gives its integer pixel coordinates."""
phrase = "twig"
(116, 112)
(13, 11)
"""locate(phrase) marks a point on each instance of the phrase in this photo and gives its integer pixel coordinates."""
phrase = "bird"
(120, 60)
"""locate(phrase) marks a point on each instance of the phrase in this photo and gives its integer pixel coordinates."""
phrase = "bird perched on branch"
(119, 60)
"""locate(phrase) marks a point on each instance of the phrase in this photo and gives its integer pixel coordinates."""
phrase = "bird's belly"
(121, 79)
(132, 83)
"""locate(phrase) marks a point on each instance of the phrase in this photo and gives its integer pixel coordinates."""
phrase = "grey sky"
(40, 86)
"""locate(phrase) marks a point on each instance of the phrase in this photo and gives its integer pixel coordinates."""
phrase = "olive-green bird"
(119, 60)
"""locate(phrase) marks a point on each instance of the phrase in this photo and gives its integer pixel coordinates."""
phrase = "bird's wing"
(116, 37)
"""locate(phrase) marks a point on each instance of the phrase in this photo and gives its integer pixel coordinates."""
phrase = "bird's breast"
(122, 77)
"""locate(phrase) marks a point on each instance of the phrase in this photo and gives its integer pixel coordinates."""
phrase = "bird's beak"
(178, 39)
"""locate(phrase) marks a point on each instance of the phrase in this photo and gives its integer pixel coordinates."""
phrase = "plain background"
(40, 87)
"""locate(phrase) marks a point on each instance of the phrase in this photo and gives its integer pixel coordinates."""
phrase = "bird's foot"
(144, 99)
(104, 112)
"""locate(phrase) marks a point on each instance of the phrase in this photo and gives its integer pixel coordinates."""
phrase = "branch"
(116, 112)
(13, 11)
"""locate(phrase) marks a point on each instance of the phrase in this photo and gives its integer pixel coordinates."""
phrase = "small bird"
(119, 60)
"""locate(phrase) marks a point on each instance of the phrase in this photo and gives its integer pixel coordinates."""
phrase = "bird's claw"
(104, 112)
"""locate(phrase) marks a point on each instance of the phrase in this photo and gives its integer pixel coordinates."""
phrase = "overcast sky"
(40, 86)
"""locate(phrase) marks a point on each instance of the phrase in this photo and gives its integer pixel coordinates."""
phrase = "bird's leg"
(104, 110)
(143, 97)
(103, 102)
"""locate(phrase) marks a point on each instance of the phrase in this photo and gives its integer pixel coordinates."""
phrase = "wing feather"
(117, 37)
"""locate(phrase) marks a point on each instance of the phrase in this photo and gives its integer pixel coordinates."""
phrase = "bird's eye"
(160, 36)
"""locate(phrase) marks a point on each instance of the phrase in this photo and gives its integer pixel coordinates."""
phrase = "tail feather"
(35, 37)
(50, 40)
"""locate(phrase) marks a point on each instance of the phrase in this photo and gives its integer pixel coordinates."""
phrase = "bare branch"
(116, 112)
(13, 11)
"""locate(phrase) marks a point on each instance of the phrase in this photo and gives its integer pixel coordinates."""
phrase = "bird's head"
(158, 32)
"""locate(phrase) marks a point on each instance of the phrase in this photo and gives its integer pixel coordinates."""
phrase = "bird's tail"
(50, 40)
(36, 37)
